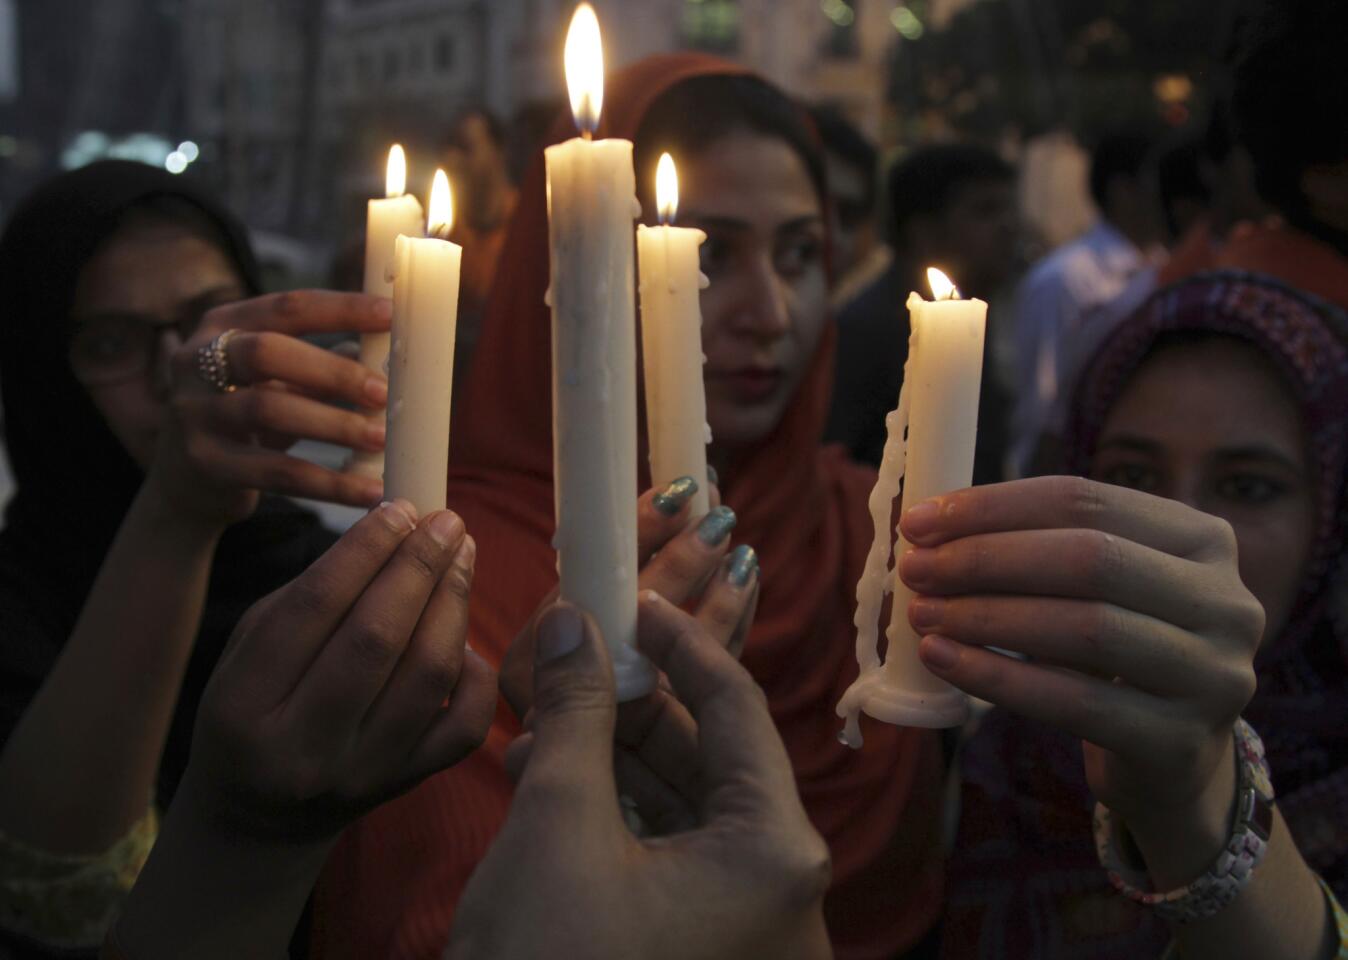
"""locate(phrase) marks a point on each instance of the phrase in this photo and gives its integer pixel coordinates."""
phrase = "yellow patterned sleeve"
(1340, 920)
(68, 902)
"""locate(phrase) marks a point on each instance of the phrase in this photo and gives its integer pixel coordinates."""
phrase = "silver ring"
(213, 363)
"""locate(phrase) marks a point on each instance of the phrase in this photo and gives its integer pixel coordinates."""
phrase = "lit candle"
(591, 206)
(938, 408)
(671, 331)
(385, 221)
(421, 360)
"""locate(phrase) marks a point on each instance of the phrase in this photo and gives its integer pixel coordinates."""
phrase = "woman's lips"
(749, 384)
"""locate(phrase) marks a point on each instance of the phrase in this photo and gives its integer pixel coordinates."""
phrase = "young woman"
(750, 176)
(136, 537)
(1226, 396)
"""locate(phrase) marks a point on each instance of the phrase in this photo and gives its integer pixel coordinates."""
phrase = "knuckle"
(1239, 681)
(682, 564)
(289, 304)
(1100, 558)
(197, 448)
(800, 860)
(1222, 536)
(1102, 623)
(1084, 500)
(308, 596)
(438, 675)
(375, 639)
(281, 475)
(422, 558)
(579, 693)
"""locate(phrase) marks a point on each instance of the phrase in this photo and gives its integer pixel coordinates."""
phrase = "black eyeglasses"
(113, 347)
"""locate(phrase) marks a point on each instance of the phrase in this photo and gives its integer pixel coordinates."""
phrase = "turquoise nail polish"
(743, 565)
(712, 476)
(716, 526)
(671, 500)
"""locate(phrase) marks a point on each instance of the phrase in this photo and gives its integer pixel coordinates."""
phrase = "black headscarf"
(75, 482)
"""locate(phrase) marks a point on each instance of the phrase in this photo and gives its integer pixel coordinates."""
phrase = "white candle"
(385, 220)
(938, 406)
(591, 206)
(421, 360)
(671, 331)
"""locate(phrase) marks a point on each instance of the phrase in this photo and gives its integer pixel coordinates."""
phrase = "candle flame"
(584, 60)
(440, 213)
(666, 188)
(942, 287)
(395, 177)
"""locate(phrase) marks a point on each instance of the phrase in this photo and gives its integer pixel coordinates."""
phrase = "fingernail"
(445, 527)
(920, 521)
(712, 476)
(560, 632)
(376, 391)
(916, 567)
(374, 434)
(467, 553)
(671, 500)
(399, 514)
(383, 309)
(716, 526)
(743, 565)
(938, 652)
(925, 613)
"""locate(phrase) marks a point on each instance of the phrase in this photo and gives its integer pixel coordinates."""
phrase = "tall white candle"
(591, 206)
(938, 407)
(671, 332)
(421, 360)
(385, 220)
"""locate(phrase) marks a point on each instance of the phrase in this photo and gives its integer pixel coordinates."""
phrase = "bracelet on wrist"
(1235, 864)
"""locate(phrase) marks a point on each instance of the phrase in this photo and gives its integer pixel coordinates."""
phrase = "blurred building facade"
(295, 103)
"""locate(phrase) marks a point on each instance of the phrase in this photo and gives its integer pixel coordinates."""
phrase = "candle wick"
(586, 134)
(441, 231)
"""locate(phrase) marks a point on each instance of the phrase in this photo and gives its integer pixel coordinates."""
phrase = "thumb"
(573, 712)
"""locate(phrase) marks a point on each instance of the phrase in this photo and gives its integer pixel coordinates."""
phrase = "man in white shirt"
(1079, 279)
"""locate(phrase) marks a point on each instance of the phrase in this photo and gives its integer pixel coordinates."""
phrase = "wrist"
(162, 508)
(210, 891)
(1178, 844)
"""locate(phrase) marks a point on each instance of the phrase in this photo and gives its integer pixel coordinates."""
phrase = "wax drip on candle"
(703, 281)
(877, 576)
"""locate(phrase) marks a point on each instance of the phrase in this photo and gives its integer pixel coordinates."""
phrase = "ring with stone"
(213, 363)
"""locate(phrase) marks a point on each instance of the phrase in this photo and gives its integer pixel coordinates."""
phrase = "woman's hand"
(350, 684)
(219, 449)
(748, 881)
(1139, 633)
(689, 564)
(343, 689)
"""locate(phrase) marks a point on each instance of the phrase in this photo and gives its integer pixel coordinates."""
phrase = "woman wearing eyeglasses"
(149, 393)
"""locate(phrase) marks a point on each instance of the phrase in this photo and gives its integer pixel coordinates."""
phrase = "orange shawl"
(391, 885)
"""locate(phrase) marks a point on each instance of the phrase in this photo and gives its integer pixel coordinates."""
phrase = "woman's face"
(1213, 425)
(767, 303)
(136, 299)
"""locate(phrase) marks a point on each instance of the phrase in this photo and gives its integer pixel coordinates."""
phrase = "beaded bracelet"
(1233, 867)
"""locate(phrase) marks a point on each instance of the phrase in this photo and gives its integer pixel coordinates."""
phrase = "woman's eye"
(1250, 488)
(793, 257)
(111, 343)
(1137, 476)
(713, 255)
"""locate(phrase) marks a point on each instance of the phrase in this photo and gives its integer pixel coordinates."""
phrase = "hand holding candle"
(385, 220)
(421, 359)
(938, 414)
(671, 329)
(591, 205)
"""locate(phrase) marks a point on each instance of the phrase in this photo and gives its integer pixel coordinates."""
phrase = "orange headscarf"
(391, 886)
